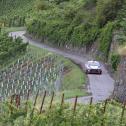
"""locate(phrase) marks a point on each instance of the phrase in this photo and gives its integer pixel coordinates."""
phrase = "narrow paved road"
(101, 86)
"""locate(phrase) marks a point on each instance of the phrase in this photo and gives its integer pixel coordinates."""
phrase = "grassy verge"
(12, 29)
(74, 92)
(74, 80)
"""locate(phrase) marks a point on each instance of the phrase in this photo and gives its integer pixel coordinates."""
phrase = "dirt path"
(101, 86)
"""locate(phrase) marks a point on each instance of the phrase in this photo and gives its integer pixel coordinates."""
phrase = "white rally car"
(93, 67)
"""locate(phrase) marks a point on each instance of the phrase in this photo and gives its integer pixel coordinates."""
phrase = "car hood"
(93, 67)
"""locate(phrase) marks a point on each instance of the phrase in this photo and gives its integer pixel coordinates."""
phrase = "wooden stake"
(75, 104)
(122, 113)
(104, 110)
(62, 101)
(105, 106)
(42, 102)
(27, 100)
(11, 102)
(91, 100)
(51, 101)
(31, 115)
(17, 100)
(12, 98)
(35, 102)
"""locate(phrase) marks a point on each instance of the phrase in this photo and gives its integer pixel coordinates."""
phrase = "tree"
(107, 10)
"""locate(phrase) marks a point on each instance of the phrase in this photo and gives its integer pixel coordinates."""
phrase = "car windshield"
(93, 64)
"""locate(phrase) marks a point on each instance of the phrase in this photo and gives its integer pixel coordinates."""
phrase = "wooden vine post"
(35, 102)
(75, 104)
(91, 101)
(51, 101)
(31, 115)
(27, 100)
(62, 101)
(42, 102)
(104, 110)
(122, 113)
(17, 98)
(11, 103)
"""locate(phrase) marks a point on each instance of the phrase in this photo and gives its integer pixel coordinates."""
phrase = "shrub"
(115, 59)
(106, 39)
(41, 5)
(107, 10)
(10, 48)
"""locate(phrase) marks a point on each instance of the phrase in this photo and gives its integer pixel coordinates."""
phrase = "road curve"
(101, 86)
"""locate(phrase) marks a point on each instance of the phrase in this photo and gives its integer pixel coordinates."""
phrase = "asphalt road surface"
(101, 86)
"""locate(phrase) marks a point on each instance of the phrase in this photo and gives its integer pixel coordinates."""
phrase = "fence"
(16, 101)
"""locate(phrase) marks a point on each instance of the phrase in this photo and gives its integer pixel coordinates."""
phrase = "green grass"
(74, 92)
(74, 80)
(75, 76)
(11, 8)
(12, 29)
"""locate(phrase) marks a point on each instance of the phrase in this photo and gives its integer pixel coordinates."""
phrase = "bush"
(41, 5)
(107, 10)
(89, 4)
(10, 48)
(106, 39)
(115, 59)
(84, 34)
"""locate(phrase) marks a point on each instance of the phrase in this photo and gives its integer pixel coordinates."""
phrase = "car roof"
(93, 62)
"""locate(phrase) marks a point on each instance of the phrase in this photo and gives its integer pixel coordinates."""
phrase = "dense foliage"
(14, 12)
(10, 48)
(107, 10)
(67, 22)
(115, 60)
(85, 115)
(106, 39)
(73, 22)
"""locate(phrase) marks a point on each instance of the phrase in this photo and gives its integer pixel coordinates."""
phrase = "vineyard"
(30, 72)
(14, 12)
(14, 112)
(38, 68)
(40, 88)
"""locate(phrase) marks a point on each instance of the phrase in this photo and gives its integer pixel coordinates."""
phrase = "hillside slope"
(67, 22)
(78, 23)
(107, 114)
(8, 7)
(14, 12)
(72, 23)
